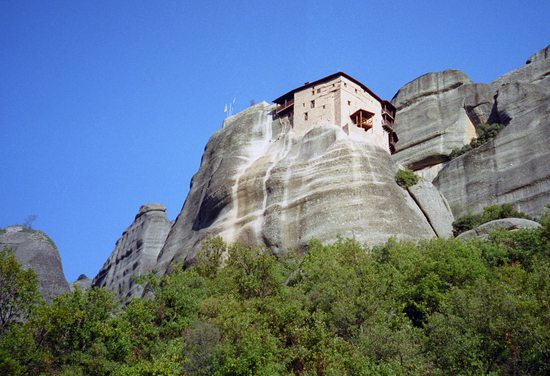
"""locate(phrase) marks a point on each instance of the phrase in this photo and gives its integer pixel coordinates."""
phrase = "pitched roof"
(307, 85)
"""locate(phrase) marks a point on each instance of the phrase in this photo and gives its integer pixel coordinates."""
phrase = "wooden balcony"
(283, 107)
(387, 125)
(388, 112)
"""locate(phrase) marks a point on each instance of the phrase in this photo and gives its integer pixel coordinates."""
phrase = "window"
(349, 103)
(312, 91)
(318, 91)
(305, 115)
(324, 107)
(355, 91)
(303, 104)
(345, 84)
(312, 104)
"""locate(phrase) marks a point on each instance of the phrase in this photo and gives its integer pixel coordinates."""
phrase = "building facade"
(341, 100)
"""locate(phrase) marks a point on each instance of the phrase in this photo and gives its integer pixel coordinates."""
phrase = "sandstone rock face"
(536, 71)
(508, 224)
(260, 183)
(135, 252)
(35, 250)
(83, 282)
(434, 206)
(512, 168)
(432, 117)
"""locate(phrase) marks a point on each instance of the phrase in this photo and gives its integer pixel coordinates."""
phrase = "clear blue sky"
(105, 105)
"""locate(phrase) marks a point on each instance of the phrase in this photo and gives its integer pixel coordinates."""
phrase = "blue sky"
(105, 105)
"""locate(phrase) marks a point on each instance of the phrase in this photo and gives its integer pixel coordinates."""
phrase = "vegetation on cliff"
(490, 213)
(486, 132)
(406, 178)
(432, 307)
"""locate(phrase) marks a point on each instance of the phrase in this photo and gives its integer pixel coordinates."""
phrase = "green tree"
(19, 294)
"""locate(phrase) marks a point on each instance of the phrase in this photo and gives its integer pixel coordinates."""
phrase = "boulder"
(508, 224)
(262, 184)
(35, 250)
(433, 117)
(434, 206)
(135, 252)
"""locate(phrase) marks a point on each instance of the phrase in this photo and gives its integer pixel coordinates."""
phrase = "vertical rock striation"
(260, 183)
(135, 252)
(437, 113)
(36, 251)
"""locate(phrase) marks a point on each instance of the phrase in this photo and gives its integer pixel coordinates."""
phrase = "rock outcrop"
(437, 112)
(135, 252)
(260, 183)
(36, 251)
(83, 282)
(512, 168)
(431, 119)
(507, 224)
(434, 206)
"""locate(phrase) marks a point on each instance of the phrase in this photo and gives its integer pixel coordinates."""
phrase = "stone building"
(341, 100)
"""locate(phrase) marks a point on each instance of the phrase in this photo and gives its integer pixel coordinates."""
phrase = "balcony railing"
(388, 112)
(289, 103)
(387, 125)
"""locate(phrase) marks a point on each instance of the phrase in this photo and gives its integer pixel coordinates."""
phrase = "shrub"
(490, 213)
(486, 133)
(406, 178)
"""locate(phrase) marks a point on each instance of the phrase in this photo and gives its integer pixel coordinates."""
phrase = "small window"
(312, 91)
(324, 107)
(349, 103)
(345, 84)
(312, 104)
(355, 91)
(305, 115)
(318, 91)
(333, 85)
(303, 104)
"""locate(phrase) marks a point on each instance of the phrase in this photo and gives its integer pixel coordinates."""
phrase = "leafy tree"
(19, 294)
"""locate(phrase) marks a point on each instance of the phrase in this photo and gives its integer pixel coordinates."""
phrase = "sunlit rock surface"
(259, 183)
(34, 250)
(436, 113)
(514, 167)
(432, 119)
(506, 224)
(135, 252)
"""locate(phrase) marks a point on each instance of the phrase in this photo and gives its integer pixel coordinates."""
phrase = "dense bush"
(490, 213)
(486, 132)
(436, 307)
(406, 178)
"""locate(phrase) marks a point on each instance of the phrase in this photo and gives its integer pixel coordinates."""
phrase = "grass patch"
(406, 178)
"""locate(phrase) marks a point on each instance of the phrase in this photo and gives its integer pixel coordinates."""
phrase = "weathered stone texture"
(34, 250)
(508, 224)
(434, 115)
(135, 252)
(513, 168)
(434, 206)
(432, 119)
(260, 183)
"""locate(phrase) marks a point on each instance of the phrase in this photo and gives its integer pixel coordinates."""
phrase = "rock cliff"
(135, 251)
(437, 112)
(260, 183)
(36, 251)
